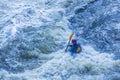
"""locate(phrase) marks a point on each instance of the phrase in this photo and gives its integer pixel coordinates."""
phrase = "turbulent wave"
(34, 33)
(89, 65)
(98, 23)
(29, 29)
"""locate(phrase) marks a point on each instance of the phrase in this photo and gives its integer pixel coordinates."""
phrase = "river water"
(34, 35)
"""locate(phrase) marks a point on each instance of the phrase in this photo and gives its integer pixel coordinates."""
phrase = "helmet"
(74, 41)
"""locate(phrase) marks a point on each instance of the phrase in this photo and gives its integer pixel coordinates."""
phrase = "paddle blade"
(71, 36)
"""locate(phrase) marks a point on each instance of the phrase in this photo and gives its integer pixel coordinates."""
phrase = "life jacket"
(76, 48)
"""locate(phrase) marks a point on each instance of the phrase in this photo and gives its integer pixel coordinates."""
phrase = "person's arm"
(70, 45)
(79, 49)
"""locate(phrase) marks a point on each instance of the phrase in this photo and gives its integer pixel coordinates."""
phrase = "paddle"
(70, 37)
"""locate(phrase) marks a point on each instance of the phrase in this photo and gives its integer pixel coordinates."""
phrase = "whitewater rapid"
(33, 36)
(89, 65)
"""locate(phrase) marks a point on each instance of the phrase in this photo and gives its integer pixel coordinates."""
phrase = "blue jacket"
(74, 48)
